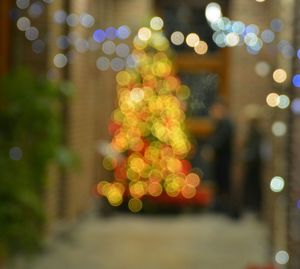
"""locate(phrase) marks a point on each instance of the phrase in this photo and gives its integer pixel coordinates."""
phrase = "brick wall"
(89, 110)
(294, 159)
(246, 87)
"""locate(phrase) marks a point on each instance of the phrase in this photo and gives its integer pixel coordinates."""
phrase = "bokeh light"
(23, 23)
(201, 47)
(144, 34)
(87, 20)
(15, 154)
(62, 42)
(279, 75)
(32, 33)
(252, 28)
(122, 50)
(117, 64)
(279, 128)
(60, 60)
(177, 38)
(232, 39)
(137, 95)
(109, 47)
(213, 12)
(238, 27)
(251, 39)
(298, 53)
(277, 184)
(99, 35)
(93, 45)
(23, 4)
(262, 68)
(81, 45)
(282, 257)
(296, 80)
(219, 38)
(103, 63)
(192, 39)
(38, 46)
(123, 32)
(135, 205)
(131, 61)
(111, 33)
(272, 99)
(72, 20)
(36, 10)
(296, 106)
(60, 16)
(276, 25)
(287, 50)
(156, 23)
(268, 36)
(123, 78)
(284, 101)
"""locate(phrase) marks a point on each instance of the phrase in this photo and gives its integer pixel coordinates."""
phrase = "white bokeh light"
(60, 60)
(282, 257)
(213, 12)
(277, 184)
(279, 128)
(177, 38)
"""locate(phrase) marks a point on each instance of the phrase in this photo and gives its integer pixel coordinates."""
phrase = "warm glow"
(279, 75)
(192, 39)
(201, 47)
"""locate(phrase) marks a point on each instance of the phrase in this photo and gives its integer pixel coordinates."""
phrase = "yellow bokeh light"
(155, 189)
(159, 42)
(156, 23)
(183, 92)
(279, 75)
(155, 175)
(139, 44)
(135, 205)
(109, 163)
(138, 189)
(137, 164)
(117, 116)
(174, 165)
(192, 39)
(123, 78)
(102, 187)
(201, 47)
(272, 99)
(188, 191)
(172, 82)
(136, 144)
(132, 175)
(114, 196)
(144, 34)
(192, 179)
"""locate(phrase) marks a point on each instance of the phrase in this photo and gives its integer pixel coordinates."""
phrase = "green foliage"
(30, 138)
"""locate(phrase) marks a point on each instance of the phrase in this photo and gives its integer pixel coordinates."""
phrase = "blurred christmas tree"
(149, 145)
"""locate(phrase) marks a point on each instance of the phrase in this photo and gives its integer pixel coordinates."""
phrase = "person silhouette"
(220, 143)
